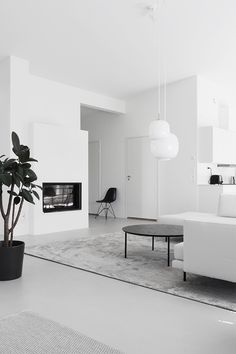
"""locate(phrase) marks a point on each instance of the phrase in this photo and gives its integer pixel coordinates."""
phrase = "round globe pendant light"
(159, 129)
(163, 144)
(166, 148)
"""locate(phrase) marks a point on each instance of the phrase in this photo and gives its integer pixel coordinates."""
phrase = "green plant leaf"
(27, 195)
(26, 182)
(24, 153)
(31, 159)
(6, 179)
(15, 141)
(20, 177)
(16, 152)
(32, 176)
(16, 180)
(12, 193)
(10, 164)
(36, 195)
(20, 171)
(17, 200)
(36, 186)
(26, 165)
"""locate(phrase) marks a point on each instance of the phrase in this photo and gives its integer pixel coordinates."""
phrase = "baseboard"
(134, 218)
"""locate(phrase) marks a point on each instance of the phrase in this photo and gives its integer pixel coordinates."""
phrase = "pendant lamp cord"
(164, 89)
(155, 14)
(158, 19)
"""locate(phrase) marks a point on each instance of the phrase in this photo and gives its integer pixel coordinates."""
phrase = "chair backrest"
(110, 195)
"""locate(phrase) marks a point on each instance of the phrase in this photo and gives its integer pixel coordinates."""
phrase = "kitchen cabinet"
(208, 196)
(217, 145)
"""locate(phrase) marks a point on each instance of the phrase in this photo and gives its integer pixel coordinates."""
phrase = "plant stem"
(6, 218)
(1, 206)
(6, 231)
(10, 200)
(12, 221)
(18, 215)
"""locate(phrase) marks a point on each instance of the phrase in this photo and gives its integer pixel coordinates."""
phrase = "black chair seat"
(109, 198)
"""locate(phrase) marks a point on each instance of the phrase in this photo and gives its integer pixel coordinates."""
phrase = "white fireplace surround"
(64, 160)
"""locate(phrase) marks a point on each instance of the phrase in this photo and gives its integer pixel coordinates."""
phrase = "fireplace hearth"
(61, 196)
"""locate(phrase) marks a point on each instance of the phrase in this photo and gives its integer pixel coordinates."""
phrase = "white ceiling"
(108, 46)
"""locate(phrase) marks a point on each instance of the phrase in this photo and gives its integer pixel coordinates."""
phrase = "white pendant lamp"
(159, 129)
(165, 148)
(163, 144)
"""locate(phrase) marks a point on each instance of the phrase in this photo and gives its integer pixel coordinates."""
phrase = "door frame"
(126, 172)
(99, 166)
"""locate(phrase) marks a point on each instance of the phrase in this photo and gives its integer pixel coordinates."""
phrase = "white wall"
(57, 107)
(4, 114)
(177, 177)
(4, 105)
(216, 104)
(63, 157)
(109, 129)
(178, 190)
(216, 107)
(112, 130)
(38, 107)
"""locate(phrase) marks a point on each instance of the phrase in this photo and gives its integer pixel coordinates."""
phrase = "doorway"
(94, 155)
(141, 179)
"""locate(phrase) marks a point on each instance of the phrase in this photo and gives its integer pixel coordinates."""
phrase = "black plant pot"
(11, 260)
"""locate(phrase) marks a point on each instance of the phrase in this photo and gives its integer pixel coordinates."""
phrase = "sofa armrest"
(210, 249)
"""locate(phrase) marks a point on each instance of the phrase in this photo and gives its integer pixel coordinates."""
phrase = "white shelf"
(217, 145)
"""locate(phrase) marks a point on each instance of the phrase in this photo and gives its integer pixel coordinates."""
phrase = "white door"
(94, 175)
(141, 179)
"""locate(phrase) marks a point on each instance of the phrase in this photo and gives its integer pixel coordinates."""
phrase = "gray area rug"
(29, 333)
(104, 255)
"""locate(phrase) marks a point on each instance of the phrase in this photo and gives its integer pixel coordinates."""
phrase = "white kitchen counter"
(208, 196)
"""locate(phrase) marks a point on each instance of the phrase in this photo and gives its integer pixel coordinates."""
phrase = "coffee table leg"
(125, 244)
(152, 243)
(168, 259)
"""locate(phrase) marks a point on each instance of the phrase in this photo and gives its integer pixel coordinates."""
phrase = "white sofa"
(209, 246)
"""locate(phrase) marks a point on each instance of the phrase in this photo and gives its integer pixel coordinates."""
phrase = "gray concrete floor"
(130, 318)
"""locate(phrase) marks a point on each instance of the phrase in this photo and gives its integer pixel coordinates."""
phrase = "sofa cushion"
(179, 251)
(181, 218)
(227, 205)
(178, 219)
(177, 264)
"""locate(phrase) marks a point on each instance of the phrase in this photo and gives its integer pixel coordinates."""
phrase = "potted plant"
(17, 185)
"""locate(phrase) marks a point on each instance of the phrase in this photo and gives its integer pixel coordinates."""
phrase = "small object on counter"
(216, 179)
(232, 180)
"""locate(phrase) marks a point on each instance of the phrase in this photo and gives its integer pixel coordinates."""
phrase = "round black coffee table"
(154, 230)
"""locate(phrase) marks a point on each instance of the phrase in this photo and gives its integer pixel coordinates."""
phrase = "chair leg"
(107, 209)
(99, 211)
(112, 211)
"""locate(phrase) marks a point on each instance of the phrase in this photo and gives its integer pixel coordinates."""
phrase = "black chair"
(105, 203)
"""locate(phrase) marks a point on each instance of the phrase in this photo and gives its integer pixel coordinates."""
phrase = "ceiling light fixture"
(163, 144)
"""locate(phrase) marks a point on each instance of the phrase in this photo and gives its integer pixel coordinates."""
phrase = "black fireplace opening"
(61, 196)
